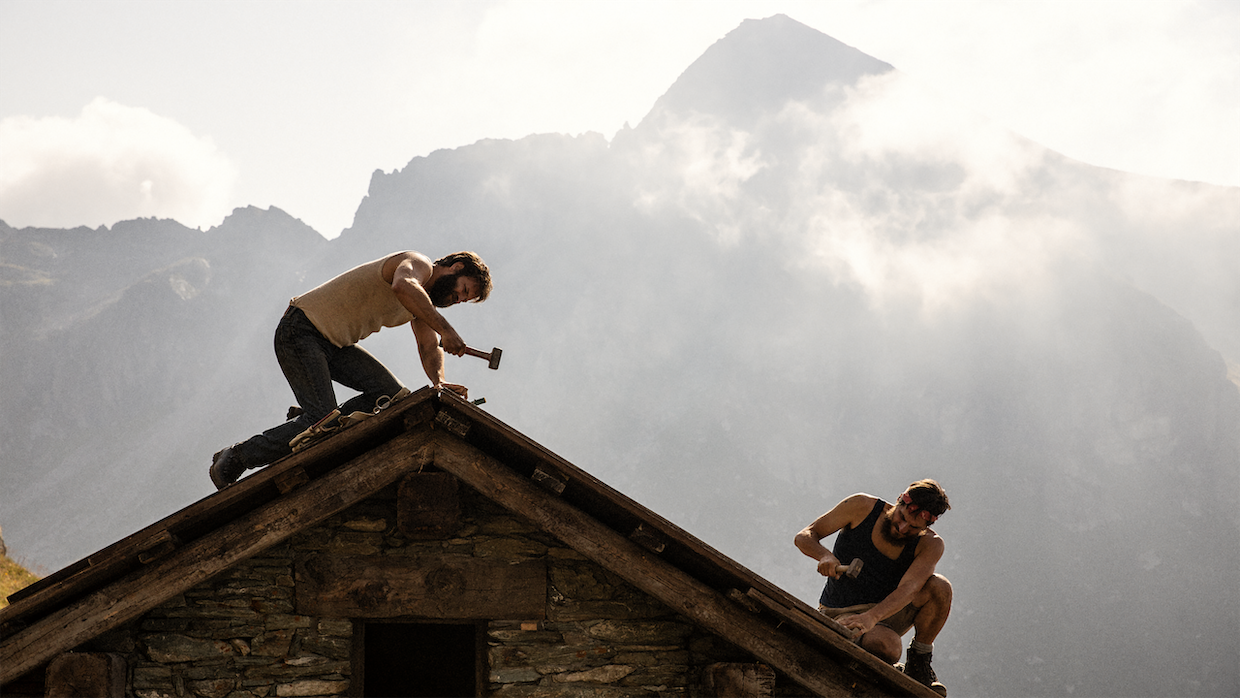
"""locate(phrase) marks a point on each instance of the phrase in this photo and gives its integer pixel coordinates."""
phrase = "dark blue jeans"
(310, 364)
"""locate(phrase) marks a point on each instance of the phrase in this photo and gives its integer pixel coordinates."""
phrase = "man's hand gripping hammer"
(492, 356)
(852, 569)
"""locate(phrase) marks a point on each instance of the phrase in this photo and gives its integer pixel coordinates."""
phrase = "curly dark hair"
(929, 496)
(474, 267)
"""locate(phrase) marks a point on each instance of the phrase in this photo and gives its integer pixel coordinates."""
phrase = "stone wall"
(239, 635)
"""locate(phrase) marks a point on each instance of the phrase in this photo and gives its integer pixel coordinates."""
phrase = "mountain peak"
(763, 63)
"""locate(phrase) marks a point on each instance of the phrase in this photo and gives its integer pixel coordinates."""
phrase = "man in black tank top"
(897, 588)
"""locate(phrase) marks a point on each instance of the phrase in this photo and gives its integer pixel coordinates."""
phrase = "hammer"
(852, 569)
(492, 357)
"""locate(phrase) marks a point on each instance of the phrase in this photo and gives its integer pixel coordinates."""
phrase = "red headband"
(908, 501)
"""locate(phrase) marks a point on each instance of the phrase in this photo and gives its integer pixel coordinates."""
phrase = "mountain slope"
(798, 278)
(760, 66)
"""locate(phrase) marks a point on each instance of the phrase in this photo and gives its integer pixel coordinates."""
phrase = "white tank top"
(354, 305)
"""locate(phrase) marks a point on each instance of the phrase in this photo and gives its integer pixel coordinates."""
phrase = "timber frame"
(430, 427)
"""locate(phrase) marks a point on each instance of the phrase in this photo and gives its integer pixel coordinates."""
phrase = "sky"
(112, 110)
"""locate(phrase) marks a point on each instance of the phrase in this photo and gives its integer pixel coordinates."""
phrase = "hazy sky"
(118, 109)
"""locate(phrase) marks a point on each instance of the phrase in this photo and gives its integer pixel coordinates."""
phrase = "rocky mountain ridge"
(766, 296)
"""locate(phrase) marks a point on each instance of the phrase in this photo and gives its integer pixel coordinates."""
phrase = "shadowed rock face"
(798, 278)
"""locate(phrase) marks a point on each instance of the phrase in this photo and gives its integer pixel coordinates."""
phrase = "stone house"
(430, 550)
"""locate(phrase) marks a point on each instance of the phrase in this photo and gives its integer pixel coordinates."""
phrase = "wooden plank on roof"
(125, 552)
(648, 538)
(290, 480)
(74, 581)
(161, 546)
(109, 563)
(653, 575)
(197, 561)
(831, 632)
(490, 435)
(552, 482)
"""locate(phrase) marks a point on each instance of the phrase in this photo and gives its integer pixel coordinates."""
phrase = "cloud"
(702, 168)
(883, 186)
(113, 162)
(1145, 86)
(924, 201)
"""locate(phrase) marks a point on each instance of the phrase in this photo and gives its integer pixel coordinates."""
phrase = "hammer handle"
(852, 569)
(473, 352)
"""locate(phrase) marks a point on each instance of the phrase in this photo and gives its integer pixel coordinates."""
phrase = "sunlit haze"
(116, 110)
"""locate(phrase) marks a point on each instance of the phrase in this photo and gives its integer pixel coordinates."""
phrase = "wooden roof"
(124, 580)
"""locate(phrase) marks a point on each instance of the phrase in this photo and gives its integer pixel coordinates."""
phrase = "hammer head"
(854, 568)
(496, 353)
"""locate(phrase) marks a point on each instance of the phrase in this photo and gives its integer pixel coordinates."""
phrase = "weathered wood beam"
(428, 506)
(453, 587)
(288, 481)
(736, 680)
(444, 420)
(606, 503)
(816, 624)
(678, 590)
(161, 546)
(122, 552)
(758, 601)
(120, 558)
(648, 538)
(552, 482)
(199, 560)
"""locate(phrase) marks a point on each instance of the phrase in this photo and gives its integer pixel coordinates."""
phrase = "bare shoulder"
(850, 512)
(931, 544)
(858, 507)
(859, 502)
(416, 264)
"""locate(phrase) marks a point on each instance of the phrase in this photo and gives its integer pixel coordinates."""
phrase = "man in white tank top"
(316, 343)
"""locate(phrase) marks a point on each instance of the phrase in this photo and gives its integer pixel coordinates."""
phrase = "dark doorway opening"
(419, 660)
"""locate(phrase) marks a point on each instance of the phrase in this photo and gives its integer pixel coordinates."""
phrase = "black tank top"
(880, 575)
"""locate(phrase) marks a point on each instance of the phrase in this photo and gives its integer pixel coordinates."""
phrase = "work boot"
(918, 669)
(225, 469)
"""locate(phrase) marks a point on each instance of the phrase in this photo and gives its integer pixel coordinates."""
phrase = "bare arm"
(850, 512)
(929, 552)
(410, 272)
(429, 352)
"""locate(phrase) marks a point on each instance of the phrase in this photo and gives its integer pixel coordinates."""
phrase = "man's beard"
(443, 290)
(888, 530)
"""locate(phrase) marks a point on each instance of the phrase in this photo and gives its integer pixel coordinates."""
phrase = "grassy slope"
(13, 577)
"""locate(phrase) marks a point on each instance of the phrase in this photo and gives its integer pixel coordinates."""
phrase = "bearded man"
(316, 343)
(897, 587)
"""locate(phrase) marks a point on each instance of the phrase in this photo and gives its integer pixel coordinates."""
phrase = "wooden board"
(443, 587)
(854, 658)
(76, 580)
(187, 566)
(646, 571)
(428, 506)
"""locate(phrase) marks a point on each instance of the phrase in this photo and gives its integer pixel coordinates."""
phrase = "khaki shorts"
(900, 622)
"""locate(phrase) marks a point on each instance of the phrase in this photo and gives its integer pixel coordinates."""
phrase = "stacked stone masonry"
(239, 635)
